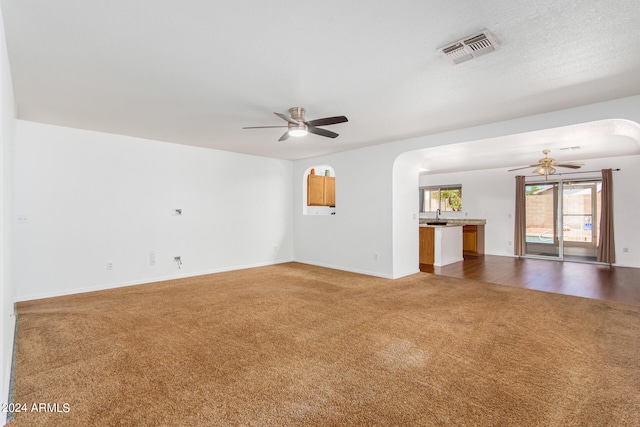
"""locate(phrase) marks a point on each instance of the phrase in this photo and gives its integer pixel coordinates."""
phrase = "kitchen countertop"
(453, 222)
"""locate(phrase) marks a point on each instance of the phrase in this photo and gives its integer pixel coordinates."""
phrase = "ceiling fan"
(547, 165)
(299, 126)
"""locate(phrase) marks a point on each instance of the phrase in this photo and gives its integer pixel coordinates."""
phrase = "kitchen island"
(440, 244)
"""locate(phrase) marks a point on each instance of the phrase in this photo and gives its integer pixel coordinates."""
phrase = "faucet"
(437, 213)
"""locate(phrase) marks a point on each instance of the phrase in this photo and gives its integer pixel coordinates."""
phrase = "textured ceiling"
(195, 72)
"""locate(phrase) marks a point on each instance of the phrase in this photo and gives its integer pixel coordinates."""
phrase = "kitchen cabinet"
(329, 191)
(315, 190)
(427, 245)
(321, 190)
(473, 240)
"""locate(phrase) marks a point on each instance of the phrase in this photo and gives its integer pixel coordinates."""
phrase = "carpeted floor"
(297, 345)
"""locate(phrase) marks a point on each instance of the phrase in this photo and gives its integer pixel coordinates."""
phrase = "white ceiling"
(196, 71)
(594, 140)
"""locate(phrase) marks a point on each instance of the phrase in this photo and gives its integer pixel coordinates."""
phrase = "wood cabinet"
(329, 191)
(315, 190)
(321, 190)
(469, 239)
(473, 240)
(427, 245)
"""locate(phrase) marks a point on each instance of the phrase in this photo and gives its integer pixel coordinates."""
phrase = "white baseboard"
(343, 268)
(146, 280)
(405, 274)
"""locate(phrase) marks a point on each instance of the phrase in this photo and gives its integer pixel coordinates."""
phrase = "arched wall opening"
(406, 170)
(482, 167)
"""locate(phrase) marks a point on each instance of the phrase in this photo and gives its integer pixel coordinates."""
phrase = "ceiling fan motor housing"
(297, 113)
(299, 129)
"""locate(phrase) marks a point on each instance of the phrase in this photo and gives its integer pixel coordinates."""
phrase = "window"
(447, 198)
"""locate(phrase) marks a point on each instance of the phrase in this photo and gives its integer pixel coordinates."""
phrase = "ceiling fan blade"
(287, 118)
(568, 166)
(263, 127)
(321, 132)
(284, 136)
(524, 167)
(327, 121)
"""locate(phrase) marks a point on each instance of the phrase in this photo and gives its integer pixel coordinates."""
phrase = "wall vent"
(470, 47)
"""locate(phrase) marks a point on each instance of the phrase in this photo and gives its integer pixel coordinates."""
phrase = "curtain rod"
(573, 173)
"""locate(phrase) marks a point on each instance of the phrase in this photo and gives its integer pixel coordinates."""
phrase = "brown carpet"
(297, 345)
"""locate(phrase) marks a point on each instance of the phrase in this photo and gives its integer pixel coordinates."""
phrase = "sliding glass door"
(562, 220)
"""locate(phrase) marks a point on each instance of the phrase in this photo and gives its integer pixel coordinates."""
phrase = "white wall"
(373, 202)
(490, 194)
(86, 199)
(7, 284)
(358, 237)
(405, 208)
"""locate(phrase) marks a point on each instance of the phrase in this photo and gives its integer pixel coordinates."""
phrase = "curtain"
(606, 242)
(520, 222)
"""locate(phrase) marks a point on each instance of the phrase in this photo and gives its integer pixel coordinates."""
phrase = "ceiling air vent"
(575, 147)
(470, 47)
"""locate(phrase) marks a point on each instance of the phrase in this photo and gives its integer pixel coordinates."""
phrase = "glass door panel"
(543, 236)
(580, 220)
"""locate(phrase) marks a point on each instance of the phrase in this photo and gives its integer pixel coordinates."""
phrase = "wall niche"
(319, 191)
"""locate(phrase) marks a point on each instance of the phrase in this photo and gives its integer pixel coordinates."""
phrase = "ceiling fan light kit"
(298, 126)
(298, 130)
(546, 170)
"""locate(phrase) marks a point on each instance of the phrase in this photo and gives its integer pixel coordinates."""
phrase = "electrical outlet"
(152, 258)
(109, 265)
(375, 257)
(625, 250)
(23, 219)
(275, 249)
